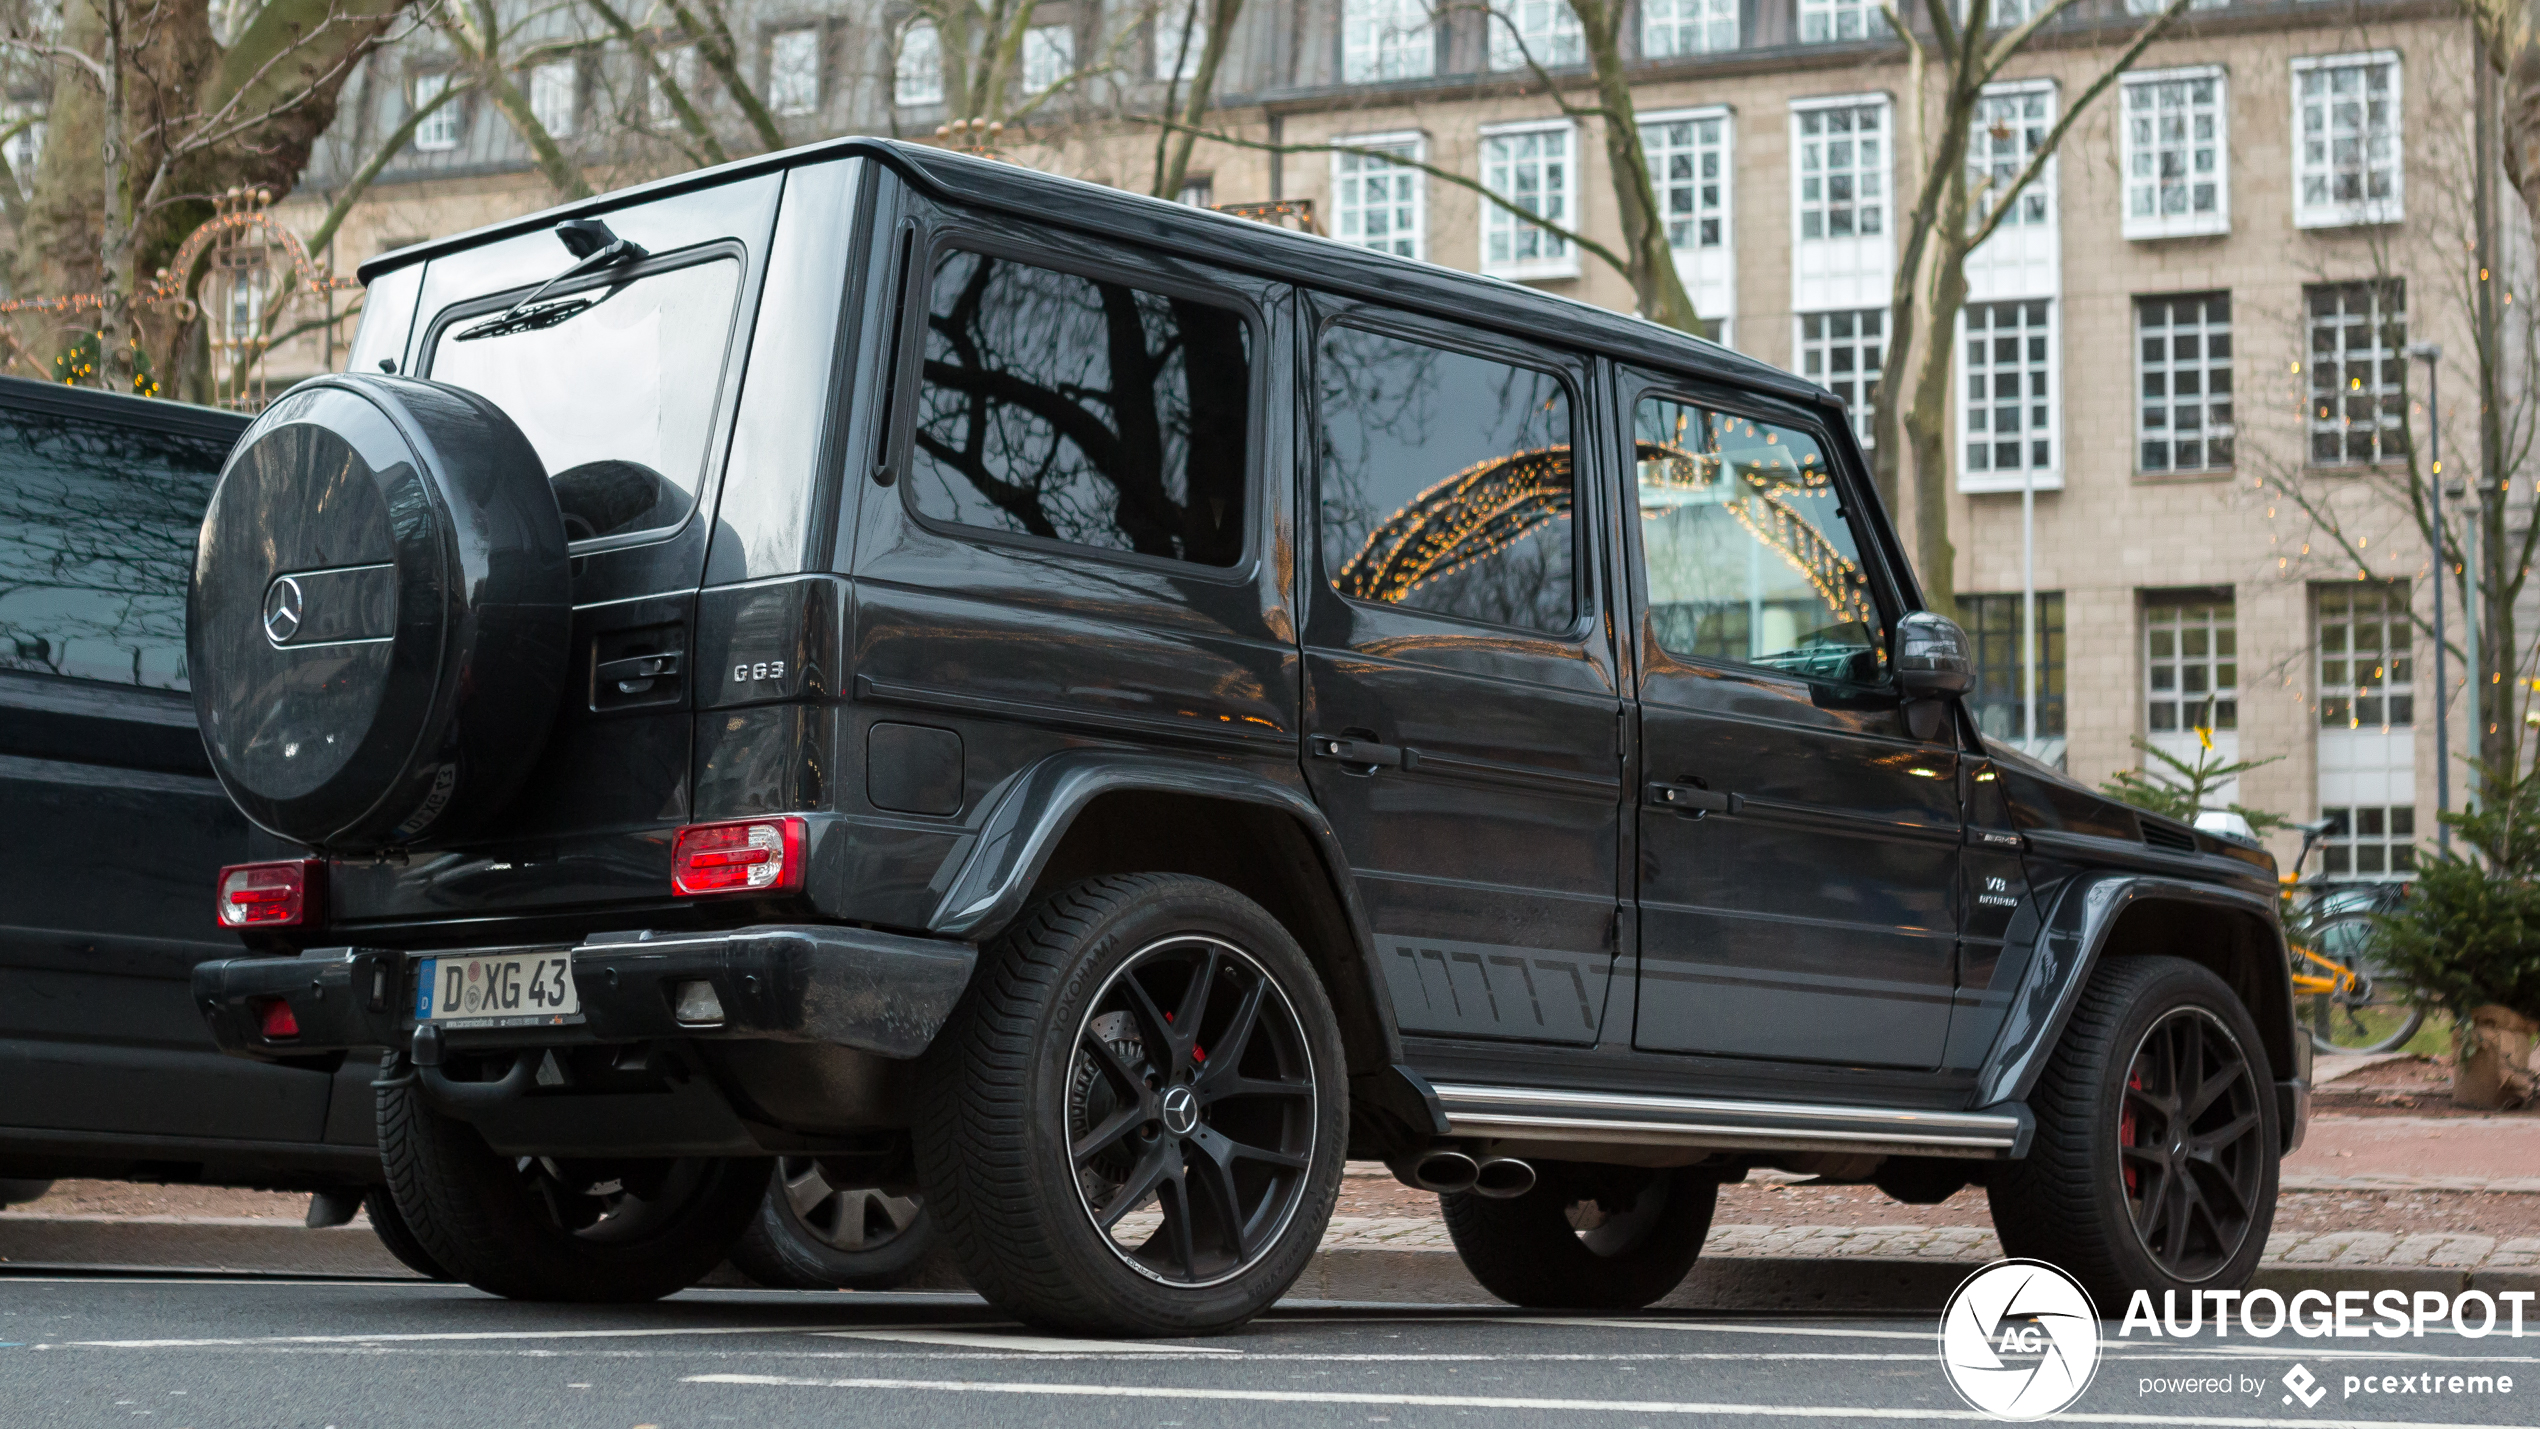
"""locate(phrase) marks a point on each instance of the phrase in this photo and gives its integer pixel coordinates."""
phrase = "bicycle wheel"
(2375, 1014)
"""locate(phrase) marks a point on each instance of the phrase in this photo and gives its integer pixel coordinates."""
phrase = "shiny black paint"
(114, 832)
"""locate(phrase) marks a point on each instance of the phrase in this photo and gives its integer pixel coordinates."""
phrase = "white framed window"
(1842, 241)
(24, 147)
(2155, 7)
(1181, 34)
(2367, 676)
(555, 95)
(680, 65)
(2177, 152)
(1841, 352)
(1669, 28)
(2182, 363)
(1832, 21)
(439, 130)
(1843, 157)
(1691, 155)
(2007, 417)
(1199, 192)
(1380, 205)
(2346, 140)
(2010, 123)
(2358, 371)
(1049, 57)
(1546, 31)
(2369, 841)
(1387, 39)
(793, 71)
(1532, 166)
(917, 75)
(2191, 664)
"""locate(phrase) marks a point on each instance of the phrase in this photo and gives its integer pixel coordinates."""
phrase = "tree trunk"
(1926, 420)
(1174, 146)
(2493, 1067)
(1656, 285)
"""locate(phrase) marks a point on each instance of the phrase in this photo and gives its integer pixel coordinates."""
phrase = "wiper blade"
(594, 247)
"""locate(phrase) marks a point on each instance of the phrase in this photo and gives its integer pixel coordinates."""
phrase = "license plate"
(499, 990)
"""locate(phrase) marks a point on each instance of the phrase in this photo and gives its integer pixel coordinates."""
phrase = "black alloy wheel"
(2191, 1142)
(1190, 1114)
(819, 1231)
(854, 1219)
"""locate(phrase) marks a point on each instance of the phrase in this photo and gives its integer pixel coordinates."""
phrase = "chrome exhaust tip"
(1440, 1171)
(1503, 1178)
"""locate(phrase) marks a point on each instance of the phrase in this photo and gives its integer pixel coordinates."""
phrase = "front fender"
(2068, 947)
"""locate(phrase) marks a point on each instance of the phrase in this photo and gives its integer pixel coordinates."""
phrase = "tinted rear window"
(1088, 412)
(97, 530)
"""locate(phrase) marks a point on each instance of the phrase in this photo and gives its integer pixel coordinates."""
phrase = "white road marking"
(393, 1339)
(1479, 1401)
(1031, 1344)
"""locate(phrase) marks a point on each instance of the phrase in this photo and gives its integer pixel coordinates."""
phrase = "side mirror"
(1931, 657)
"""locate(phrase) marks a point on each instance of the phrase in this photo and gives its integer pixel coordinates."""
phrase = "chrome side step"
(1530, 1114)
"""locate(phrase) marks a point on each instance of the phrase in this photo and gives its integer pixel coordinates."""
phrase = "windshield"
(614, 385)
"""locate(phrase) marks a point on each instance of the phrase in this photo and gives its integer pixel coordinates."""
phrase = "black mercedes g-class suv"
(1095, 711)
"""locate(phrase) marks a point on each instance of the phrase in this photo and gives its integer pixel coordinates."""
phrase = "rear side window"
(1090, 412)
(97, 530)
(614, 384)
(1749, 555)
(1446, 481)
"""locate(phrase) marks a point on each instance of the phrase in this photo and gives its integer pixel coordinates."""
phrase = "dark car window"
(1446, 481)
(1083, 411)
(1748, 554)
(614, 385)
(97, 530)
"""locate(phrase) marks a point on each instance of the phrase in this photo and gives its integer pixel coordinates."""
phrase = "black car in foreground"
(1092, 711)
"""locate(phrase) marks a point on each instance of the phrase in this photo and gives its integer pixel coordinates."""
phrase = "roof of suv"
(1213, 237)
(26, 394)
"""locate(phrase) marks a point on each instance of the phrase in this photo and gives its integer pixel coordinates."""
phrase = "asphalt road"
(235, 1353)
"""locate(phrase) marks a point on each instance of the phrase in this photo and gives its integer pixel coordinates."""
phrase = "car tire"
(813, 1234)
(1585, 1237)
(18, 1190)
(1063, 1102)
(2131, 1183)
(389, 1224)
(532, 1228)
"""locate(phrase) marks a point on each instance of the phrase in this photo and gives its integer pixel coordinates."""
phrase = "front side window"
(2358, 371)
(2367, 676)
(1833, 21)
(1670, 28)
(1387, 39)
(793, 71)
(2009, 416)
(1445, 481)
(615, 384)
(1532, 169)
(1749, 558)
(1843, 172)
(97, 531)
(555, 96)
(2183, 382)
(1996, 632)
(2191, 664)
(439, 130)
(917, 77)
(1841, 351)
(1084, 411)
(2177, 153)
(2346, 133)
(1689, 164)
(1376, 204)
(1545, 32)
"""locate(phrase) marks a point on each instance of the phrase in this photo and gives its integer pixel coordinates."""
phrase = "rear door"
(1462, 713)
(115, 828)
(1799, 844)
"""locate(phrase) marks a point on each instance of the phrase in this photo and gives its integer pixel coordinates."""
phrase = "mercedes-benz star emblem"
(1181, 1111)
(283, 606)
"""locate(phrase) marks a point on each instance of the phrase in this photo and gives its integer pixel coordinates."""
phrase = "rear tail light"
(274, 1021)
(750, 856)
(273, 895)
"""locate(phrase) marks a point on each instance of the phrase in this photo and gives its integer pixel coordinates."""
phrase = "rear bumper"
(876, 992)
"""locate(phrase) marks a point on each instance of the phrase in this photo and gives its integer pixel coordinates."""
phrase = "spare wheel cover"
(380, 613)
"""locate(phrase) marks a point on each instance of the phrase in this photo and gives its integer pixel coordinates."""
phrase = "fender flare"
(2066, 952)
(1039, 806)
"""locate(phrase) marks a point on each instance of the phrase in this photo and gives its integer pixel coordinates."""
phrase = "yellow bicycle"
(2340, 993)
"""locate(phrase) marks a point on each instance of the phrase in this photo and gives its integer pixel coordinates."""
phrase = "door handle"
(635, 674)
(1693, 799)
(1365, 753)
